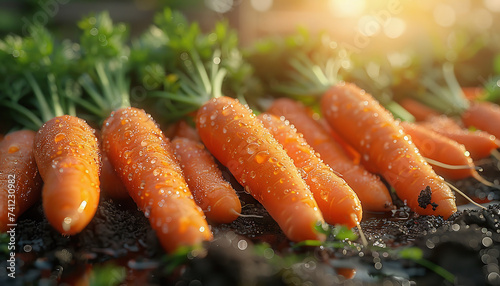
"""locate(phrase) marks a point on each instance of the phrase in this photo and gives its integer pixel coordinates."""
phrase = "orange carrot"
(473, 93)
(484, 116)
(67, 156)
(336, 200)
(138, 150)
(110, 182)
(212, 193)
(419, 110)
(443, 150)
(351, 152)
(480, 144)
(370, 189)
(374, 132)
(184, 130)
(20, 182)
(232, 133)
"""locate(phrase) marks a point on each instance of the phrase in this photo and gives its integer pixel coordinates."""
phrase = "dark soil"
(403, 249)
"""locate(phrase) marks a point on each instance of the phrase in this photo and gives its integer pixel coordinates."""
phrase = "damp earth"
(119, 247)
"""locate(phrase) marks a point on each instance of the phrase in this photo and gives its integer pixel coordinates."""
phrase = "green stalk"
(45, 110)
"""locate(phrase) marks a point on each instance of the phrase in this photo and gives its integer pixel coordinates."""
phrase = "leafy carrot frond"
(191, 67)
(40, 68)
(104, 65)
(445, 95)
(308, 78)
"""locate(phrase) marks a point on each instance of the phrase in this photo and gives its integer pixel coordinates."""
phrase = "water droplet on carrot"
(126, 154)
(59, 137)
(252, 174)
(13, 149)
(142, 185)
(260, 158)
(66, 224)
(144, 143)
(156, 171)
(130, 175)
(251, 148)
(202, 229)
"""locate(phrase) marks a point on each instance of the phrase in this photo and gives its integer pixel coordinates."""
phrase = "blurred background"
(465, 32)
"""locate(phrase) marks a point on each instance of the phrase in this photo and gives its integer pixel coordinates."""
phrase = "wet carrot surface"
(239, 141)
(20, 182)
(67, 156)
(140, 154)
(211, 191)
(372, 130)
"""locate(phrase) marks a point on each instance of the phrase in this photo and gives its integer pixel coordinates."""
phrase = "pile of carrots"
(307, 171)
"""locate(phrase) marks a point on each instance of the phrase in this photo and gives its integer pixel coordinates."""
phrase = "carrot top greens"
(103, 66)
(37, 79)
(183, 67)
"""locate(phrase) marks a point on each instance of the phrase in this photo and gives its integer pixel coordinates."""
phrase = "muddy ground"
(119, 247)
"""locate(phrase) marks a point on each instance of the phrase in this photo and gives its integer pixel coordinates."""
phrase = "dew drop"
(260, 158)
(59, 137)
(202, 119)
(156, 171)
(126, 154)
(13, 149)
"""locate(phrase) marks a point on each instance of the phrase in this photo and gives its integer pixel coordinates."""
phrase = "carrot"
(338, 203)
(371, 191)
(419, 110)
(212, 193)
(184, 130)
(373, 131)
(480, 144)
(20, 182)
(441, 149)
(137, 149)
(232, 133)
(67, 156)
(110, 182)
(351, 152)
(474, 93)
(484, 116)
(65, 147)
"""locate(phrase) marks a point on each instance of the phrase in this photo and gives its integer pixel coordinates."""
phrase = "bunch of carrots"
(81, 130)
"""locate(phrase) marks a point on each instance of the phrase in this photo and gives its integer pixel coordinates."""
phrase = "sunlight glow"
(343, 8)
(444, 15)
(261, 5)
(395, 28)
